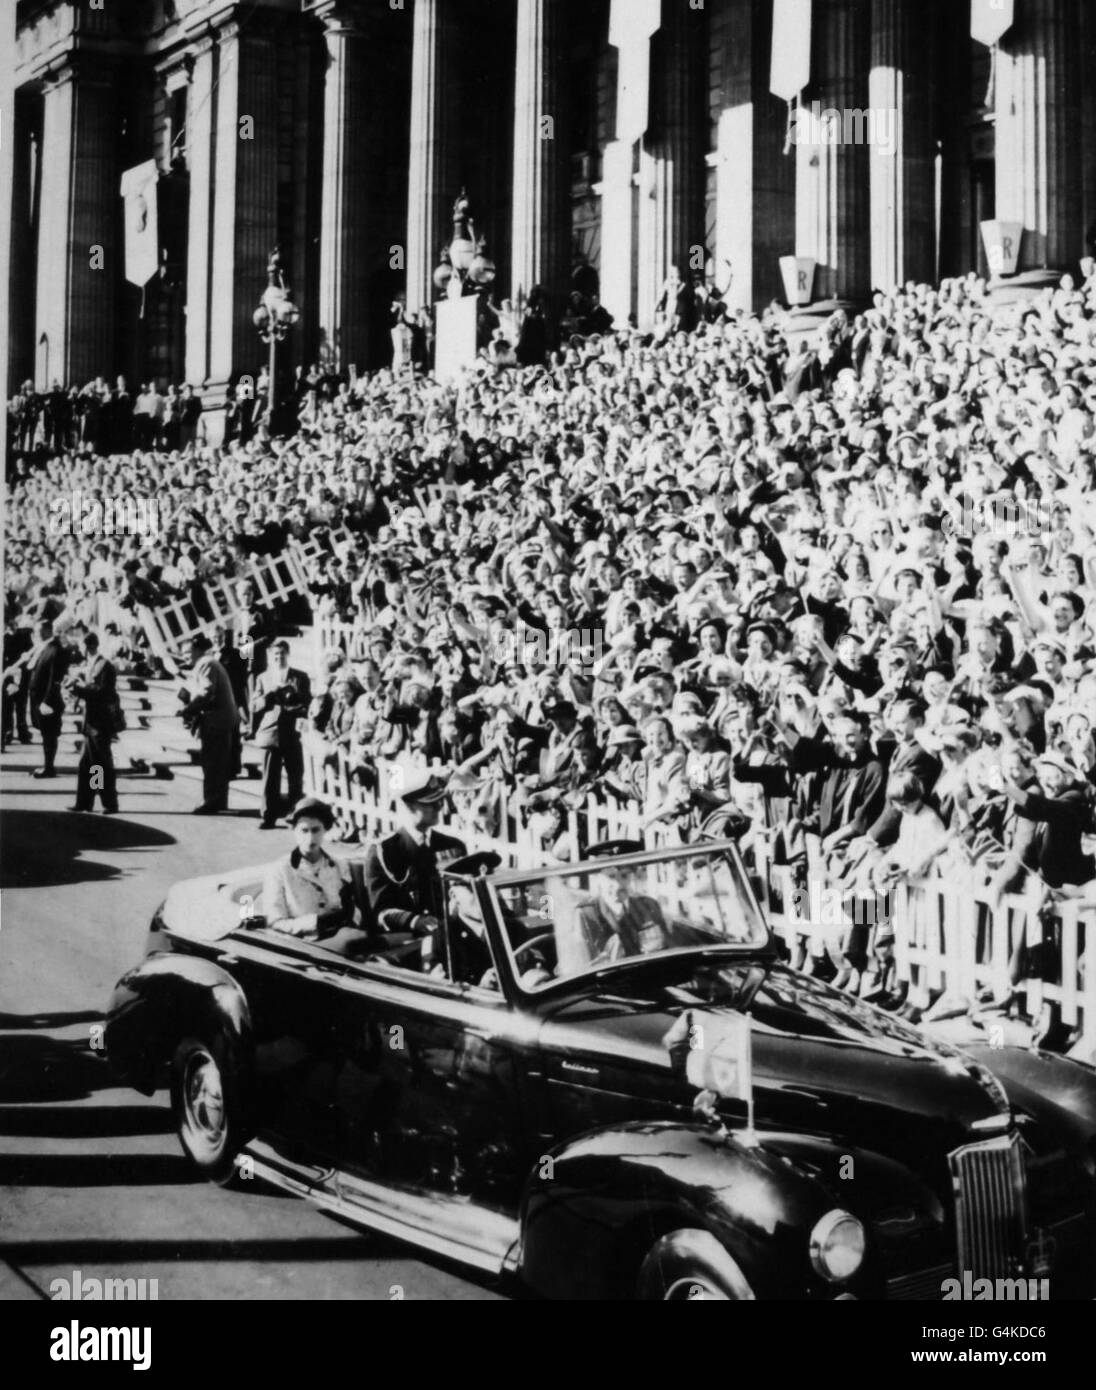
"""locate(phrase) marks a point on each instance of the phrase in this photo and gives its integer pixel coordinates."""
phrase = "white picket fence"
(950, 937)
(333, 635)
(373, 813)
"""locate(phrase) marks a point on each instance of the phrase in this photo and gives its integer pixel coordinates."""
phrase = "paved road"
(91, 1176)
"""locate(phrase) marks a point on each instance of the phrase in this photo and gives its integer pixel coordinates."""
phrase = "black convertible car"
(602, 1081)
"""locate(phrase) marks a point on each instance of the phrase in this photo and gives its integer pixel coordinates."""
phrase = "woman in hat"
(308, 894)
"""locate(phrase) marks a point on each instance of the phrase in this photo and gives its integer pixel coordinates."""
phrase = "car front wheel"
(691, 1265)
(205, 1095)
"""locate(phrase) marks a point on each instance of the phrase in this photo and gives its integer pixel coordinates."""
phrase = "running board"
(450, 1226)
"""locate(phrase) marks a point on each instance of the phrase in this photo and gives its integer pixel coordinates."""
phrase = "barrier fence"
(169, 626)
(949, 936)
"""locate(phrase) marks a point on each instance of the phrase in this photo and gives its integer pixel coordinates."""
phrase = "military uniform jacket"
(401, 877)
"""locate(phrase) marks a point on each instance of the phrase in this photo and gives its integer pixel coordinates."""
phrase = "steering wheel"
(541, 939)
(489, 979)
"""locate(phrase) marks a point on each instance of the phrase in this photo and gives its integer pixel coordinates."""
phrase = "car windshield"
(566, 923)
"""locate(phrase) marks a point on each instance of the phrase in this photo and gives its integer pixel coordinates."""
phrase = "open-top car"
(602, 1081)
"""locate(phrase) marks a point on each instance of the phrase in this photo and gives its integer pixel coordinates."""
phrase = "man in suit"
(47, 666)
(97, 689)
(402, 881)
(282, 696)
(252, 629)
(211, 713)
(905, 717)
(18, 643)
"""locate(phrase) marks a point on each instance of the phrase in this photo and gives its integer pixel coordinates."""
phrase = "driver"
(470, 961)
(469, 954)
(619, 922)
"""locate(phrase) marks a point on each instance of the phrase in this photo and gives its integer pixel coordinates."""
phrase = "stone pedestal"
(79, 257)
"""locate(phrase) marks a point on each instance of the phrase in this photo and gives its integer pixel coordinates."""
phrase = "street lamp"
(274, 317)
(465, 266)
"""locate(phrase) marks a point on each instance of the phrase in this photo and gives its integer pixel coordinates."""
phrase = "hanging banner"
(790, 69)
(631, 24)
(142, 232)
(989, 20)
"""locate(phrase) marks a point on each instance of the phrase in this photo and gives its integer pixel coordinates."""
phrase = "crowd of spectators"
(102, 419)
(844, 587)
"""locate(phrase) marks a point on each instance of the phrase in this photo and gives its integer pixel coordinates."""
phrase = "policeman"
(402, 880)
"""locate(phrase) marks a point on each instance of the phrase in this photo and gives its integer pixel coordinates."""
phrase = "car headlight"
(837, 1246)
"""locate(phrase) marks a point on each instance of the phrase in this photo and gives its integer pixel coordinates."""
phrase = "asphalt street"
(91, 1176)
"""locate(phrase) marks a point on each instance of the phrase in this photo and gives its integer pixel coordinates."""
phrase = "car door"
(298, 1006)
(432, 1093)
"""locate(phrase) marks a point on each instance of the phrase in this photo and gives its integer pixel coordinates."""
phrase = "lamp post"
(465, 266)
(274, 317)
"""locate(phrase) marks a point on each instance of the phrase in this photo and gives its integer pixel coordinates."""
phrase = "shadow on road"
(111, 1252)
(85, 1122)
(45, 848)
(96, 1170)
(34, 1067)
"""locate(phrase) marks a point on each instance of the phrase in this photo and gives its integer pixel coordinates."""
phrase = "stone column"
(540, 245)
(902, 155)
(245, 175)
(13, 203)
(344, 222)
(22, 154)
(671, 181)
(429, 195)
(79, 257)
(1038, 108)
(200, 168)
(832, 221)
(755, 179)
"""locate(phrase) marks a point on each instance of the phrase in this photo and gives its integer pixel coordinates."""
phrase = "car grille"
(990, 1207)
(926, 1284)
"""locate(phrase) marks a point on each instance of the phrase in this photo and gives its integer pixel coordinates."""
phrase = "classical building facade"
(606, 138)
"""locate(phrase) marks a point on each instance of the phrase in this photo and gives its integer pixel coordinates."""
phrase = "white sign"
(455, 346)
(798, 275)
(142, 233)
(1002, 243)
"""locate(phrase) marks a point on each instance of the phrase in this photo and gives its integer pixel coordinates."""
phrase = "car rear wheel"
(205, 1095)
(691, 1266)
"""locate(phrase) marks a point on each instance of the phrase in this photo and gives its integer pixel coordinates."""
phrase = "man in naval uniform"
(402, 882)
